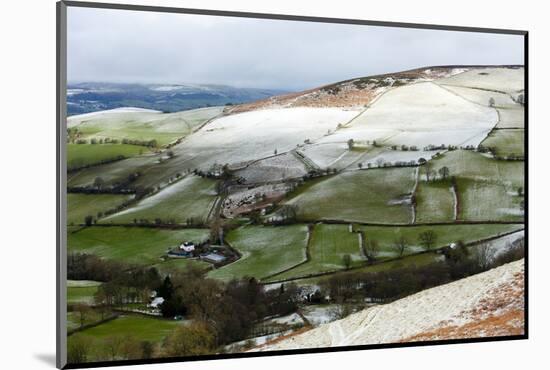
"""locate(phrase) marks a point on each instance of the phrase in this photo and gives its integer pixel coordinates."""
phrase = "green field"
(446, 234)
(81, 205)
(164, 128)
(407, 261)
(73, 319)
(81, 291)
(265, 251)
(190, 197)
(373, 195)
(483, 201)
(143, 246)
(434, 202)
(80, 155)
(128, 327)
(174, 265)
(386, 235)
(476, 166)
(328, 245)
(112, 172)
(506, 142)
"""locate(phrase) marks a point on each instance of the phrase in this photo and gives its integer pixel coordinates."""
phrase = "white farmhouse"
(155, 303)
(187, 247)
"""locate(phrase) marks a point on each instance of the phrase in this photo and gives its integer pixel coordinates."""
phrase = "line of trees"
(221, 313)
(460, 262)
(371, 246)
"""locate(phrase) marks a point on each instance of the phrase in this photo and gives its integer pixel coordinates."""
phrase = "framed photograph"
(240, 184)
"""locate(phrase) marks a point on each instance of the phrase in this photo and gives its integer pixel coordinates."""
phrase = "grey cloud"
(130, 46)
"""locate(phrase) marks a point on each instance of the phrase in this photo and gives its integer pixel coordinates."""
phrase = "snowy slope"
(486, 304)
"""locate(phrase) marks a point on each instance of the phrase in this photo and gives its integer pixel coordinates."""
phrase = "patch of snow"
(114, 111)
(422, 312)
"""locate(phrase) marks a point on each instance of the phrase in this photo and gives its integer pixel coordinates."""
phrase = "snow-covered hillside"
(487, 304)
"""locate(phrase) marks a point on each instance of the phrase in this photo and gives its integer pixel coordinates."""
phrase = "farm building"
(156, 302)
(187, 246)
(213, 258)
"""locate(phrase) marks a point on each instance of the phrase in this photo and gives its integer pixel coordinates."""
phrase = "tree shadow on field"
(47, 358)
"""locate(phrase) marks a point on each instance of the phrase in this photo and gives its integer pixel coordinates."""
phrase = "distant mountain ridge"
(86, 97)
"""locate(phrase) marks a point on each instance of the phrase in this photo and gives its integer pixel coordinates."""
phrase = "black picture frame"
(61, 169)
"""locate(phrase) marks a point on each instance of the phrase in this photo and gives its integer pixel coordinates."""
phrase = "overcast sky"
(130, 46)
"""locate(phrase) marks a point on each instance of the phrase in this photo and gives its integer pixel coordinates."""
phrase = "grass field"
(143, 246)
(499, 79)
(434, 202)
(174, 265)
(475, 166)
(162, 127)
(81, 291)
(134, 327)
(80, 155)
(482, 201)
(328, 245)
(511, 118)
(191, 197)
(506, 142)
(406, 261)
(73, 319)
(387, 235)
(446, 234)
(376, 195)
(113, 172)
(482, 97)
(265, 251)
(81, 205)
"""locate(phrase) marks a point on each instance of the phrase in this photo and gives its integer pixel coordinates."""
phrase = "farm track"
(456, 206)
(215, 210)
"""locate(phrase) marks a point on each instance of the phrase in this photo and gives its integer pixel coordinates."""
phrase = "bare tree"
(521, 99)
(78, 348)
(372, 248)
(98, 183)
(401, 244)
(444, 172)
(83, 310)
(427, 239)
(482, 256)
(112, 346)
(346, 260)
(428, 170)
